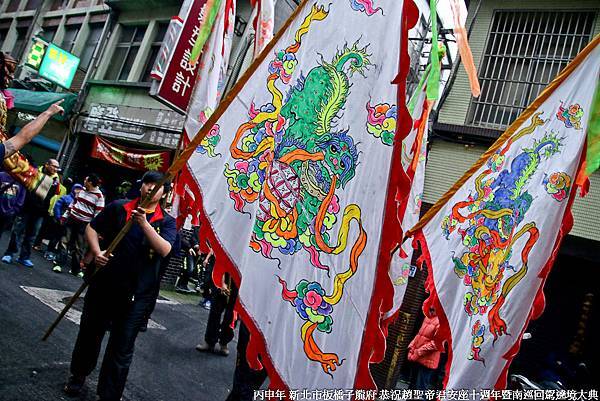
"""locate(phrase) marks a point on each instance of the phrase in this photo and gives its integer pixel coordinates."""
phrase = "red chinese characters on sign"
(136, 159)
(176, 87)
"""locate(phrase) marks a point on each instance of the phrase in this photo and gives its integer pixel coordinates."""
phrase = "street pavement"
(165, 366)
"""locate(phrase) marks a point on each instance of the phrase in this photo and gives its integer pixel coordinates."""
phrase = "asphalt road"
(165, 366)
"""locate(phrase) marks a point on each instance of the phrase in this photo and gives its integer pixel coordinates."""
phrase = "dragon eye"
(342, 164)
(333, 148)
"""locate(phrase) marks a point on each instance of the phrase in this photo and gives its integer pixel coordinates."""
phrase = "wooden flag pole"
(184, 156)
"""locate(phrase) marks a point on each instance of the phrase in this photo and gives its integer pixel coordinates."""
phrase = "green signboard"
(59, 66)
(36, 54)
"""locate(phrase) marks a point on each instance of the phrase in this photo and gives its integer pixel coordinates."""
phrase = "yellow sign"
(36, 54)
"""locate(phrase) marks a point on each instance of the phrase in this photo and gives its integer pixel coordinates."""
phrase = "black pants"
(45, 231)
(219, 330)
(101, 308)
(55, 233)
(245, 379)
(6, 223)
(72, 244)
(189, 265)
(25, 228)
(207, 284)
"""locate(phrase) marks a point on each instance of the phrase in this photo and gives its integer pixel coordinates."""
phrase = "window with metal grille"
(3, 33)
(21, 41)
(50, 27)
(524, 52)
(58, 4)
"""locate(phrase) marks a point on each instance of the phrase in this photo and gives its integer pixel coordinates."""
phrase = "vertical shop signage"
(179, 76)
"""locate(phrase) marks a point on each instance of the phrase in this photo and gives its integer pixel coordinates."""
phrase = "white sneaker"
(57, 269)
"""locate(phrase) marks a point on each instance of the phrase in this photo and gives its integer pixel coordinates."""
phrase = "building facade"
(518, 48)
(74, 25)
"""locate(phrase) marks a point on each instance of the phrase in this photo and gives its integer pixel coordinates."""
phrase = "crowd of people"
(54, 224)
(71, 227)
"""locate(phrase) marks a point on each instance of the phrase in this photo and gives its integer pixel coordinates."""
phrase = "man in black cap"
(123, 290)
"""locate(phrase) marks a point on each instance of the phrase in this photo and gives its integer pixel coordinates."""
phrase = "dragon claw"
(497, 324)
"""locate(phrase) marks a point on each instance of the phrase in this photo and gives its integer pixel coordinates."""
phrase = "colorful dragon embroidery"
(381, 122)
(487, 223)
(365, 6)
(477, 337)
(558, 185)
(404, 275)
(571, 115)
(291, 160)
(210, 142)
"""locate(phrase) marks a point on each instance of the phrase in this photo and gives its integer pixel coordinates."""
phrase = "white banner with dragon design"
(295, 186)
(491, 241)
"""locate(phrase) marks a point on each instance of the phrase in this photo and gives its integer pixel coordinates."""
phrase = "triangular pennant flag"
(490, 242)
(414, 157)
(433, 79)
(264, 24)
(300, 196)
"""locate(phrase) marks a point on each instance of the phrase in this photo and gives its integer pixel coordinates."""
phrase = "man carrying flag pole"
(490, 241)
(123, 291)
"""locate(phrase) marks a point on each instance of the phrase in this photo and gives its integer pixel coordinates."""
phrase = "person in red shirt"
(425, 353)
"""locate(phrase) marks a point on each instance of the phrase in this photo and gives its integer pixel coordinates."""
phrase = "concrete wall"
(38, 17)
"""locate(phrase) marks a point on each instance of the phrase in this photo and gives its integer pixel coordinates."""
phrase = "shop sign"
(59, 66)
(151, 126)
(178, 79)
(36, 54)
(136, 159)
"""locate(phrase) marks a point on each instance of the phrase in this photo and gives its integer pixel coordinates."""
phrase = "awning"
(43, 142)
(34, 101)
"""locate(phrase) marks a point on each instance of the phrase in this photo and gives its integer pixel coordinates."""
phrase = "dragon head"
(341, 156)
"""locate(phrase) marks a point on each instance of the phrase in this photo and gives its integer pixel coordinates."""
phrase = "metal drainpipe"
(100, 47)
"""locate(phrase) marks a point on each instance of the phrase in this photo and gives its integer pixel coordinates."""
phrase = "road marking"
(166, 301)
(54, 300)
